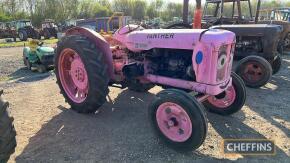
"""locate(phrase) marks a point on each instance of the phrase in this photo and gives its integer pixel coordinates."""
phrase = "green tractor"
(25, 29)
(38, 57)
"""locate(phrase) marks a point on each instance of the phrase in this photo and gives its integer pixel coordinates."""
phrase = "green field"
(21, 43)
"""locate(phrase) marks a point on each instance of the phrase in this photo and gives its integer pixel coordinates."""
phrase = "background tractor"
(25, 30)
(38, 56)
(257, 44)
(7, 131)
(6, 31)
(48, 29)
(279, 16)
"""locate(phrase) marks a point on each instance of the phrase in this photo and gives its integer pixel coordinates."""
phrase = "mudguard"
(100, 42)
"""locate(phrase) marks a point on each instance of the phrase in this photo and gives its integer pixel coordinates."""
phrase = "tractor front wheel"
(81, 73)
(178, 119)
(255, 71)
(26, 62)
(41, 68)
(230, 101)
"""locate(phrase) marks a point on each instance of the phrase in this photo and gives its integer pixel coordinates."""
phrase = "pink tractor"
(179, 60)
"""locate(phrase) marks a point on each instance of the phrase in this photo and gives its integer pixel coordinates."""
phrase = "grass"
(19, 44)
(5, 78)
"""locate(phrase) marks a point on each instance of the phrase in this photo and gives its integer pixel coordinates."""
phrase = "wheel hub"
(78, 73)
(253, 72)
(225, 100)
(174, 122)
(73, 75)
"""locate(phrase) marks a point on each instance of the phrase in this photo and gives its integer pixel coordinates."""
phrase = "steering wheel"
(40, 43)
(213, 22)
(129, 30)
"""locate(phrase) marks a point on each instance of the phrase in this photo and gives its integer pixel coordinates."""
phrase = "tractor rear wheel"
(277, 64)
(22, 35)
(178, 119)
(47, 34)
(255, 71)
(7, 132)
(287, 42)
(81, 73)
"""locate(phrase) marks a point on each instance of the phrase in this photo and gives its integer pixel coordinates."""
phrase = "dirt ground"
(48, 131)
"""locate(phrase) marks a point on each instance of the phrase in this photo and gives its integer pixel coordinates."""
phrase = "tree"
(139, 9)
(151, 11)
(91, 9)
(125, 6)
(172, 10)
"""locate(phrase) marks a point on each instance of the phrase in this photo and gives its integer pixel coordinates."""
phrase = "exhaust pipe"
(197, 13)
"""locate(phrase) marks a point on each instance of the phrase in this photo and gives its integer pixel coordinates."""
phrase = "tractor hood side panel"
(174, 38)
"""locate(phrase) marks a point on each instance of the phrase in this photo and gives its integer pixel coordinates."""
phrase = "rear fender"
(100, 42)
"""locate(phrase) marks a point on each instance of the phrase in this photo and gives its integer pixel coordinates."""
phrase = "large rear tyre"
(277, 64)
(81, 73)
(7, 132)
(230, 101)
(46, 34)
(179, 120)
(22, 35)
(287, 42)
(255, 71)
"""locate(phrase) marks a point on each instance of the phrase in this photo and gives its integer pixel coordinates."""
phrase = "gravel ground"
(120, 132)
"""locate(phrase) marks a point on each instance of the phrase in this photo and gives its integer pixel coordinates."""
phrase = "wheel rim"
(73, 75)
(253, 72)
(174, 122)
(225, 99)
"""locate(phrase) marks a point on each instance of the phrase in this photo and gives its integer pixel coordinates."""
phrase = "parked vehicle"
(257, 44)
(6, 31)
(140, 58)
(38, 56)
(66, 25)
(48, 29)
(25, 30)
(7, 131)
(279, 16)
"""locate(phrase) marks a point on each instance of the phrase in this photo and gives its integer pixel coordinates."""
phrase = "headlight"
(222, 59)
(223, 63)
